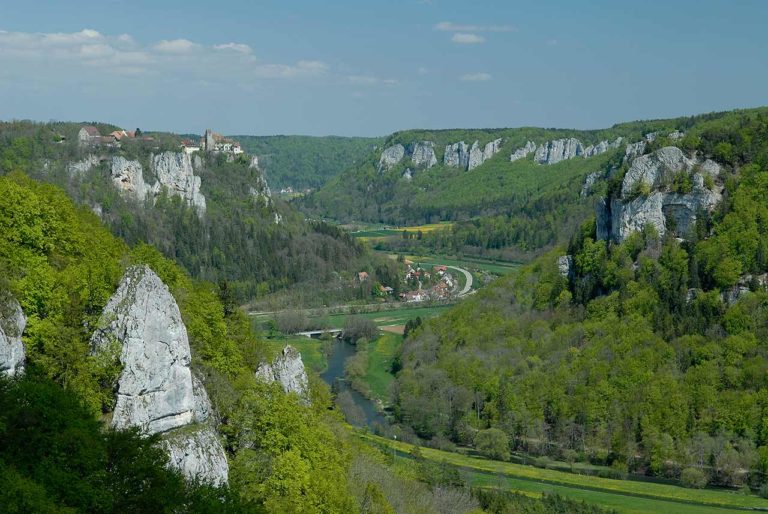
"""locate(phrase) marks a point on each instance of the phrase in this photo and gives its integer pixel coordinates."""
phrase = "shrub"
(693, 478)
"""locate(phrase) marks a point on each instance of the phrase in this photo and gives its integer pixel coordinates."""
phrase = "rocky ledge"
(12, 323)
(287, 369)
(141, 327)
(660, 187)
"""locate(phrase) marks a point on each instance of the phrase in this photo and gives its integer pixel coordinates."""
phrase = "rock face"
(602, 147)
(589, 183)
(456, 155)
(82, 167)
(288, 370)
(128, 177)
(475, 156)
(558, 150)
(391, 156)
(408, 174)
(522, 153)
(174, 172)
(492, 148)
(12, 323)
(423, 154)
(632, 209)
(142, 327)
(565, 265)
(198, 455)
(634, 150)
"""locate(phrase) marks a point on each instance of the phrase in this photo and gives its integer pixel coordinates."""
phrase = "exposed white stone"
(491, 148)
(142, 318)
(589, 181)
(602, 147)
(82, 167)
(676, 135)
(391, 156)
(475, 156)
(456, 155)
(654, 173)
(174, 173)
(634, 150)
(408, 174)
(12, 324)
(423, 154)
(142, 327)
(254, 164)
(522, 153)
(558, 150)
(565, 265)
(128, 177)
(287, 369)
(198, 454)
(651, 136)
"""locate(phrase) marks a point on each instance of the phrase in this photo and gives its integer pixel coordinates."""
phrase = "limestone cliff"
(649, 195)
(141, 326)
(12, 323)
(522, 153)
(459, 155)
(423, 154)
(456, 155)
(558, 150)
(391, 156)
(288, 370)
(175, 174)
(128, 177)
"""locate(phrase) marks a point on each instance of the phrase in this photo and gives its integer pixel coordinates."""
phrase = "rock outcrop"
(128, 177)
(12, 323)
(475, 156)
(648, 195)
(602, 147)
(589, 182)
(174, 172)
(82, 167)
(287, 369)
(565, 265)
(456, 155)
(634, 150)
(522, 153)
(391, 156)
(558, 150)
(423, 154)
(141, 327)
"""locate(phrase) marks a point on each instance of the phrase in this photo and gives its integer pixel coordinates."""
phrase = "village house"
(216, 143)
(88, 136)
(189, 147)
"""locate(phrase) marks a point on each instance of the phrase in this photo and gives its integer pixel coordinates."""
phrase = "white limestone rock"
(602, 147)
(491, 148)
(589, 182)
(456, 155)
(143, 324)
(408, 174)
(475, 156)
(522, 153)
(565, 265)
(558, 150)
(391, 157)
(128, 177)
(198, 454)
(175, 174)
(80, 168)
(287, 369)
(676, 135)
(631, 210)
(12, 324)
(634, 150)
(423, 154)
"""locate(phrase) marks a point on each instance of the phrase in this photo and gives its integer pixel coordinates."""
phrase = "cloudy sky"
(355, 67)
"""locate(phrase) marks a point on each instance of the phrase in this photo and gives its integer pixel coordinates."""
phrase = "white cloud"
(464, 38)
(447, 26)
(235, 47)
(36, 54)
(476, 77)
(367, 80)
(176, 46)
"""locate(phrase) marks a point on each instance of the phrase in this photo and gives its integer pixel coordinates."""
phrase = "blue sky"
(351, 67)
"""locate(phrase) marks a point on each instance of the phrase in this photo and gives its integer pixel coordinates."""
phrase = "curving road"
(468, 285)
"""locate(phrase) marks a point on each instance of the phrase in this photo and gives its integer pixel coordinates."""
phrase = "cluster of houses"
(212, 142)
(91, 136)
(437, 285)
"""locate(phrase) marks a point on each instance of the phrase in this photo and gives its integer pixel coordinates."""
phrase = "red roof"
(92, 131)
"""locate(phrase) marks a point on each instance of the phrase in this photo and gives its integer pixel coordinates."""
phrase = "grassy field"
(381, 353)
(496, 267)
(623, 495)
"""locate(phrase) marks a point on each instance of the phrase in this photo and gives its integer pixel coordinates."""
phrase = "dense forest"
(649, 356)
(303, 162)
(501, 209)
(237, 240)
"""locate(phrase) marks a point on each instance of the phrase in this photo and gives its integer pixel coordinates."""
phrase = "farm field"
(381, 354)
(623, 495)
(394, 317)
(373, 232)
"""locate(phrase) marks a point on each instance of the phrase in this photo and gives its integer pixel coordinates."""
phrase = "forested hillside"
(501, 207)
(302, 162)
(648, 354)
(254, 242)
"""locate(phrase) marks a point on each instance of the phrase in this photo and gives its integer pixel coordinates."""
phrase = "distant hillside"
(302, 162)
(529, 203)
